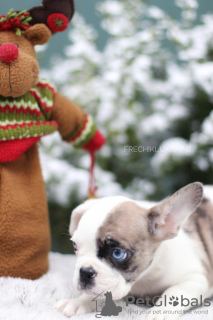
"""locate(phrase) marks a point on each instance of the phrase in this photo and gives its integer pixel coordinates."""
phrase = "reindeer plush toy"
(31, 108)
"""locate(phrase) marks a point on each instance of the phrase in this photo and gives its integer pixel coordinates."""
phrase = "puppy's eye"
(74, 246)
(119, 254)
(16, 45)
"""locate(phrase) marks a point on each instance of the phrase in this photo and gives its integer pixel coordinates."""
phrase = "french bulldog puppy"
(143, 249)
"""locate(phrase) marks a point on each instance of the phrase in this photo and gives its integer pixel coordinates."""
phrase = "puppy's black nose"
(87, 275)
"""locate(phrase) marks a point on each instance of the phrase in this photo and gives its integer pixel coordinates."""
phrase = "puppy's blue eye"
(74, 246)
(119, 254)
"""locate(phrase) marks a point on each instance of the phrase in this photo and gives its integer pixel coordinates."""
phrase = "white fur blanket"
(33, 300)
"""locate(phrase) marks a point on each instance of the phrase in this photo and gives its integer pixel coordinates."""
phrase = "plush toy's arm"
(75, 125)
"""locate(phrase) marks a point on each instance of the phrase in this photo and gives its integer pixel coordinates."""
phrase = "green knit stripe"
(44, 96)
(8, 118)
(27, 131)
(86, 134)
(25, 102)
(46, 83)
(45, 100)
(26, 116)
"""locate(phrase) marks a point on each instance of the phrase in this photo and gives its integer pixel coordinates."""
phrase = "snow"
(63, 179)
(138, 90)
(207, 127)
(190, 4)
(202, 76)
(154, 123)
(156, 13)
(172, 150)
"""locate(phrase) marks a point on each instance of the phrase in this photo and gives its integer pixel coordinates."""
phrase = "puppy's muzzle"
(86, 277)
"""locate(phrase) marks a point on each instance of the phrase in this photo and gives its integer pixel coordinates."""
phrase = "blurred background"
(144, 70)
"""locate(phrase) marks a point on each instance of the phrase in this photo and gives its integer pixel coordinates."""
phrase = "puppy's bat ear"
(78, 213)
(166, 218)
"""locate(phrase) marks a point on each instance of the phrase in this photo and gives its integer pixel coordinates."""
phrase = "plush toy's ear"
(166, 218)
(78, 213)
(38, 34)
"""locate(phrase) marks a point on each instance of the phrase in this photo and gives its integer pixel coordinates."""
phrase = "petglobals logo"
(107, 307)
(159, 301)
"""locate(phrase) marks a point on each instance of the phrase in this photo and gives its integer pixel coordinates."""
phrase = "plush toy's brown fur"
(22, 74)
(24, 226)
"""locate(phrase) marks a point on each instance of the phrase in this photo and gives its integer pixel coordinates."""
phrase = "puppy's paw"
(60, 305)
(72, 307)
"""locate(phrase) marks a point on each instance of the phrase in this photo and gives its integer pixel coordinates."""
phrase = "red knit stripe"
(42, 103)
(11, 150)
(14, 108)
(30, 124)
(80, 131)
(45, 85)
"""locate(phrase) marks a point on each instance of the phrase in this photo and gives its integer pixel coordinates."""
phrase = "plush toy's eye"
(74, 246)
(119, 254)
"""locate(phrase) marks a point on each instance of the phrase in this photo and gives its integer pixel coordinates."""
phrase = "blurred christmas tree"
(151, 93)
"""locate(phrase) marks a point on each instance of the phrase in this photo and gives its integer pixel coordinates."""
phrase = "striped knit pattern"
(28, 116)
(83, 133)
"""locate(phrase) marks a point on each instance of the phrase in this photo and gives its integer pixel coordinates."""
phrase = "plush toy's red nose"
(8, 52)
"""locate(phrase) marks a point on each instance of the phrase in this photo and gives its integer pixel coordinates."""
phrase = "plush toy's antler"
(56, 14)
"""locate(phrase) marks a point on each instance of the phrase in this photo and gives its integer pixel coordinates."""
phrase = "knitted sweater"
(24, 120)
